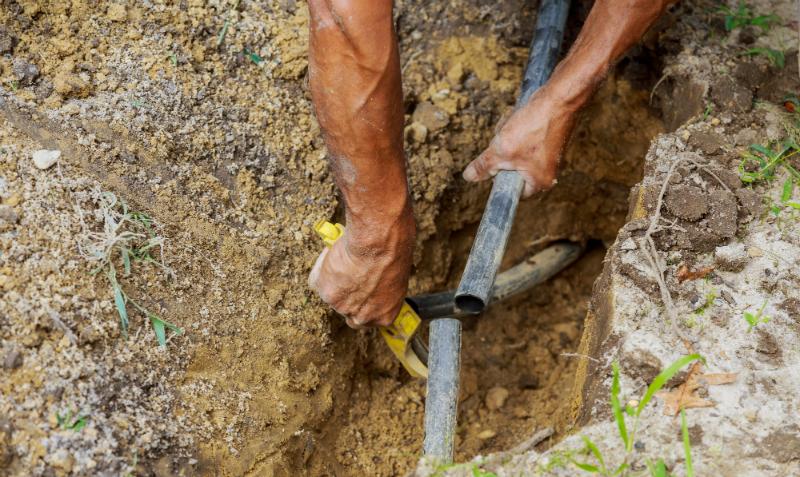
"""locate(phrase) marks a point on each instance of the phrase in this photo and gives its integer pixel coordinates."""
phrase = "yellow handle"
(400, 333)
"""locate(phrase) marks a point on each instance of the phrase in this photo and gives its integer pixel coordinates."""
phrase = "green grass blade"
(615, 406)
(596, 452)
(687, 445)
(788, 188)
(663, 377)
(159, 329)
(126, 260)
(659, 469)
(119, 301)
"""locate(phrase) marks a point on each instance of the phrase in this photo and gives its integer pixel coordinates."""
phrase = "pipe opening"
(470, 304)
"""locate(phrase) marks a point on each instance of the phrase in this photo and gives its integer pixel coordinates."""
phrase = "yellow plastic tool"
(400, 334)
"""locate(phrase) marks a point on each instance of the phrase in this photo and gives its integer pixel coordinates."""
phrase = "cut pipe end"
(470, 304)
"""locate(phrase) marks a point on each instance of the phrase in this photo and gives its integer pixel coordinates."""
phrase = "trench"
(518, 367)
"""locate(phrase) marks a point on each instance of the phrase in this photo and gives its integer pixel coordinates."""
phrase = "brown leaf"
(684, 396)
(683, 273)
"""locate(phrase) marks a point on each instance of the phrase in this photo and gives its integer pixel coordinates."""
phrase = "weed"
(71, 422)
(127, 236)
(757, 319)
(776, 57)
(633, 410)
(743, 16)
(224, 31)
(687, 445)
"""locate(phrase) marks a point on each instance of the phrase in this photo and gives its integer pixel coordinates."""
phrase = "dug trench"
(518, 359)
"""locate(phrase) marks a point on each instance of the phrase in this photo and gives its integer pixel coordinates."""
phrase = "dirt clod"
(496, 398)
(431, 117)
(722, 217)
(687, 202)
(731, 257)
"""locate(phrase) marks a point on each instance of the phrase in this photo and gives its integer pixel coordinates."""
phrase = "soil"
(208, 128)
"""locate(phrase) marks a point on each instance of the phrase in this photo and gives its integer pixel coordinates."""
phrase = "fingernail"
(469, 174)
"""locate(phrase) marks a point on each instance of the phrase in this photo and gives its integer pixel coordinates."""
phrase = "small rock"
(25, 72)
(432, 117)
(13, 359)
(687, 202)
(745, 137)
(496, 398)
(117, 13)
(62, 460)
(628, 244)
(7, 41)
(417, 132)
(731, 257)
(754, 252)
(8, 214)
(44, 159)
(67, 85)
(486, 435)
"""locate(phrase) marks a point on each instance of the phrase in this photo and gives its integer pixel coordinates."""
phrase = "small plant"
(69, 422)
(743, 16)
(127, 236)
(776, 57)
(757, 319)
(628, 436)
(687, 445)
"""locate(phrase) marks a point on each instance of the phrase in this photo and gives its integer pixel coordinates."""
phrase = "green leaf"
(79, 424)
(794, 205)
(788, 188)
(687, 445)
(119, 301)
(663, 377)
(126, 260)
(615, 406)
(659, 469)
(160, 328)
(729, 22)
(596, 452)
(586, 467)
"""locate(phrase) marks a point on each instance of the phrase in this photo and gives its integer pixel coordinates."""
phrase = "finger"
(479, 169)
(529, 189)
(352, 323)
(313, 276)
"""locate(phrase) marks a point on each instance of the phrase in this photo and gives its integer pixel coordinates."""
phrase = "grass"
(766, 163)
(743, 16)
(776, 57)
(127, 238)
(756, 319)
(71, 422)
(627, 433)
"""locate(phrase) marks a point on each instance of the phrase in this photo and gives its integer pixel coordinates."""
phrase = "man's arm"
(532, 139)
(354, 74)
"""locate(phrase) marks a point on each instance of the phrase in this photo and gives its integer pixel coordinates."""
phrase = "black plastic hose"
(477, 282)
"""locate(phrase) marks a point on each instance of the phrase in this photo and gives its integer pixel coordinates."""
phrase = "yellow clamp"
(400, 333)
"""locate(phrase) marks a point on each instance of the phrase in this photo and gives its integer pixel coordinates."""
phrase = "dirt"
(213, 135)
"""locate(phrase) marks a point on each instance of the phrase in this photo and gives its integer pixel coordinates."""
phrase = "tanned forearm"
(598, 46)
(354, 73)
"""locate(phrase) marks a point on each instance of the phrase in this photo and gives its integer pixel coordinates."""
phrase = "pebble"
(487, 434)
(13, 359)
(731, 257)
(496, 398)
(417, 132)
(44, 159)
(8, 214)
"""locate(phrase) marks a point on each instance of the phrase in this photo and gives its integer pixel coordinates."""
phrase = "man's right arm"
(354, 74)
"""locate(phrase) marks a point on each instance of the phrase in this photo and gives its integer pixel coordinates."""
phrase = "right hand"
(364, 274)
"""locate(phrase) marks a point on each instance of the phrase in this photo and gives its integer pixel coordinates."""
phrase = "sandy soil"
(212, 136)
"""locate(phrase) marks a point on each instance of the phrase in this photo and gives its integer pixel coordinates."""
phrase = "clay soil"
(213, 137)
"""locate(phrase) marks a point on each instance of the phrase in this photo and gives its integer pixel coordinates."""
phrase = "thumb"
(479, 169)
(313, 276)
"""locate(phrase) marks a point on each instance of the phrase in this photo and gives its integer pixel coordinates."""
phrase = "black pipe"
(474, 291)
(525, 275)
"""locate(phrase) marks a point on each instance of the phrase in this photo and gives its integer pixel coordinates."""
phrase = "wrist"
(386, 228)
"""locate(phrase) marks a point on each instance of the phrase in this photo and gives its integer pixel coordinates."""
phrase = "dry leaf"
(683, 273)
(684, 397)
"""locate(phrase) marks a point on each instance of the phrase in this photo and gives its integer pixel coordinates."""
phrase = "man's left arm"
(532, 139)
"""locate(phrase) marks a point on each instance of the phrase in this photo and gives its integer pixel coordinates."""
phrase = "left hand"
(530, 142)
